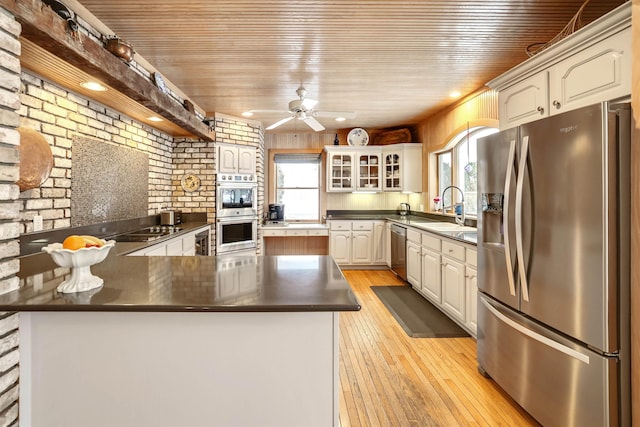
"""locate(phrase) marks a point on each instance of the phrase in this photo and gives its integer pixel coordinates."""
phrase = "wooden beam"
(42, 26)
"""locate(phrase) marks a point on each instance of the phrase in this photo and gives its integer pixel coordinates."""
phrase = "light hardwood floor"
(390, 379)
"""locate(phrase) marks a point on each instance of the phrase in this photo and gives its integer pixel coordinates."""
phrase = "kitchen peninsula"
(191, 341)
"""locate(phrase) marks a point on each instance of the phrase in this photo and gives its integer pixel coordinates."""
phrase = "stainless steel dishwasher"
(399, 251)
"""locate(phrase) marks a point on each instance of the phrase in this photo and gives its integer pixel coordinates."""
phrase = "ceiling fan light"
(308, 103)
(248, 114)
(340, 119)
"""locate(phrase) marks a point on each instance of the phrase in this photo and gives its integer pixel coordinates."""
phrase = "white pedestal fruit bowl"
(80, 262)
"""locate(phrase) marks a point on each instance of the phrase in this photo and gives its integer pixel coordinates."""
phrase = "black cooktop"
(147, 234)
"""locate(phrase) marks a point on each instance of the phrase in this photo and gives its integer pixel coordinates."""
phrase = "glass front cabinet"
(369, 166)
(341, 173)
(395, 167)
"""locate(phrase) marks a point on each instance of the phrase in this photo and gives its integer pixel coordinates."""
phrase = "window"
(297, 185)
(457, 165)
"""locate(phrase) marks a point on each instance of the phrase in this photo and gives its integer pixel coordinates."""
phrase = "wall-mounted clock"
(190, 182)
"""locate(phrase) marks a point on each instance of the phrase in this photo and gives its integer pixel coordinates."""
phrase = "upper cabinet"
(402, 167)
(396, 167)
(590, 66)
(340, 171)
(236, 159)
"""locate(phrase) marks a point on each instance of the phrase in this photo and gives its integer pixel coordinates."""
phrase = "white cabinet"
(402, 167)
(414, 264)
(431, 281)
(598, 73)
(236, 159)
(378, 245)
(590, 66)
(525, 101)
(369, 166)
(357, 242)
(340, 171)
(183, 245)
(454, 297)
(396, 167)
(340, 246)
(471, 277)
(444, 271)
(361, 247)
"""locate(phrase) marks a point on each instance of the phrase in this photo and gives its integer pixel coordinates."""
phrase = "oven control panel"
(236, 178)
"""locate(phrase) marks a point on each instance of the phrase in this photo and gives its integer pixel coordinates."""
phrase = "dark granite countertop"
(188, 284)
(417, 221)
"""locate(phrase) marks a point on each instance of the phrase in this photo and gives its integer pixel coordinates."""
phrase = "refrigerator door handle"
(534, 335)
(519, 245)
(507, 217)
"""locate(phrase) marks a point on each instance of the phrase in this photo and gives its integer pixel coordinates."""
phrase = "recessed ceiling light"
(455, 94)
(95, 86)
(154, 119)
(340, 119)
(247, 114)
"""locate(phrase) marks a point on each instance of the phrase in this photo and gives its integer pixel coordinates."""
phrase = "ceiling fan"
(302, 109)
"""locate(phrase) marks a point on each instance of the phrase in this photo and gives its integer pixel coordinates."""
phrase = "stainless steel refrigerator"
(553, 272)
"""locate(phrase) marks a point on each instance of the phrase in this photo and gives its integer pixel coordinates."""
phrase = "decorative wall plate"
(358, 137)
(190, 182)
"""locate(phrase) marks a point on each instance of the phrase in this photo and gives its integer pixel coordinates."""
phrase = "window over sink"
(457, 165)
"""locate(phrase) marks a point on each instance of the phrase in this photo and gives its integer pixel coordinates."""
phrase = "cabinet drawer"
(340, 225)
(322, 232)
(296, 232)
(472, 257)
(430, 241)
(414, 236)
(361, 225)
(272, 232)
(453, 250)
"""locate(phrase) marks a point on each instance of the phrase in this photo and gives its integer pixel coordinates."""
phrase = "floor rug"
(417, 316)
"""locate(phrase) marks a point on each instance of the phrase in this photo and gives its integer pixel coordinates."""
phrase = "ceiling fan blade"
(279, 112)
(345, 114)
(280, 122)
(308, 103)
(313, 124)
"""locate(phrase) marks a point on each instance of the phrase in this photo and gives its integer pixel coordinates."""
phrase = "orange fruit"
(73, 242)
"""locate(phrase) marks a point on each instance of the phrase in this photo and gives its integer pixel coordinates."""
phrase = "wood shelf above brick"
(55, 53)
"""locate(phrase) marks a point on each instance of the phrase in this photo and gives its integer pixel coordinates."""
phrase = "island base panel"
(168, 369)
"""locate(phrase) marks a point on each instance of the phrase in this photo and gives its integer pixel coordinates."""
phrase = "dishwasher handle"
(398, 230)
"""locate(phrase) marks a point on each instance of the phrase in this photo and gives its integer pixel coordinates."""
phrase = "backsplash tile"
(109, 182)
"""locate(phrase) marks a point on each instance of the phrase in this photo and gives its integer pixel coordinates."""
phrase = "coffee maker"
(276, 213)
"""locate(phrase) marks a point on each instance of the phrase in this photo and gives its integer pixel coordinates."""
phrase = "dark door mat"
(417, 316)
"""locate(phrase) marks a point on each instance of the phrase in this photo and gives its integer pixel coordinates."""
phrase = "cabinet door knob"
(557, 104)
(541, 110)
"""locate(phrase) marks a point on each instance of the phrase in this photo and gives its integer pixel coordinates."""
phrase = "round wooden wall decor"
(36, 159)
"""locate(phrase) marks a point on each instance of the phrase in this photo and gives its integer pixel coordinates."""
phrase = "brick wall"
(60, 116)
(9, 212)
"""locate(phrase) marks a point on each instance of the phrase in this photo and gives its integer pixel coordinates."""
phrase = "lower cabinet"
(340, 246)
(357, 242)
(414, 264)
(184, 245)
(454, 298)
(431, 278)
(444, 272)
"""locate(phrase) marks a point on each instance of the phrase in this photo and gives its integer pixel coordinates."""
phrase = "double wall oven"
(236, 214)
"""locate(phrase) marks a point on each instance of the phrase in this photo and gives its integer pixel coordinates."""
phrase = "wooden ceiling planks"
(393, 63)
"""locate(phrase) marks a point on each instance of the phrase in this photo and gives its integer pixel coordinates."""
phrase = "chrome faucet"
(458, 208)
